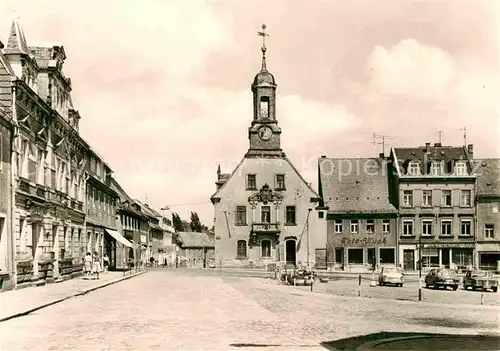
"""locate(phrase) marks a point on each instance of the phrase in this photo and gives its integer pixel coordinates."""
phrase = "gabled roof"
(17, 40)
(196, 239)
(356, 185)
(488, 176)
(315, 194)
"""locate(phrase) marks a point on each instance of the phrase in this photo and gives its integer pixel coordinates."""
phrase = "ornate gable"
(265, 195)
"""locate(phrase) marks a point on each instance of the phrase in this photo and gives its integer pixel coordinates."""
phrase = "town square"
(187, 175)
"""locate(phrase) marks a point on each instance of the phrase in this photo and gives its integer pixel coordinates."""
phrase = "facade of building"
(6, 131)
(133, 224)
(156, 232)
(48, 160)
(361, 221)
(196, 250)
(433, 187)
(101, 201)
(264, 211)
(488, 214)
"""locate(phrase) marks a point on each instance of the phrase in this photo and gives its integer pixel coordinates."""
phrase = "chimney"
(470, 149)
(427, 147)
(437, 144)
(323, 156)
(381, 155)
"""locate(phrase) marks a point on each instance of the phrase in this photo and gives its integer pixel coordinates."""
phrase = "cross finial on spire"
(263, 34)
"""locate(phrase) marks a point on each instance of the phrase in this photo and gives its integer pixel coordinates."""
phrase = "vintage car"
(390, 275)
(442, 277)
(480, 280)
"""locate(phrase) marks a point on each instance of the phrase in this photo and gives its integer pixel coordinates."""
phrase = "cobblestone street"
(193, 309)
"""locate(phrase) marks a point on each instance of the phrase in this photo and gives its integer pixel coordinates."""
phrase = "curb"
(79, 293)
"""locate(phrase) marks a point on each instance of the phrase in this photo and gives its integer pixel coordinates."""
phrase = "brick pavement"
(16, 303)
(193, 310)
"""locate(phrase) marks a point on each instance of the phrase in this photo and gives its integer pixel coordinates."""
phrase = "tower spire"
(263, 34)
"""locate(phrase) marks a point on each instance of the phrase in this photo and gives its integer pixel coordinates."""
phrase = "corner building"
(264, 211)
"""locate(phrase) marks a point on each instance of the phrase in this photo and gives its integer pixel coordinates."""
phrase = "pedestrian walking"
(96, 264)
(88, 264)
(105, 261)
(165, 262)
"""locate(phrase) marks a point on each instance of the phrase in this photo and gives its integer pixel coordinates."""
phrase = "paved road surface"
(187, 310)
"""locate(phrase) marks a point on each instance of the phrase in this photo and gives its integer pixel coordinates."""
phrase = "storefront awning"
(118, 237)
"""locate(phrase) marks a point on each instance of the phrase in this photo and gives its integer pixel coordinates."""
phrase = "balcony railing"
(265, 227)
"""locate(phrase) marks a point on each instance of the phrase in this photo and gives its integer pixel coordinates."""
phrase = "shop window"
(355, 256)
(371, 255)
(387, 256)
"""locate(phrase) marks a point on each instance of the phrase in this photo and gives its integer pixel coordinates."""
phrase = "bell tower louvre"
(264, 133)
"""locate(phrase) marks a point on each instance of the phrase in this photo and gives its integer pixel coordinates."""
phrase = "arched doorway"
(290, 251)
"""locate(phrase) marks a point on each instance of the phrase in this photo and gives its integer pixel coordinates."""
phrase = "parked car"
(442, 277)
(390, 275)
(480, 280)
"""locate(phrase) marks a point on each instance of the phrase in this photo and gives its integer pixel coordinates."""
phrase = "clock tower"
(264, 132)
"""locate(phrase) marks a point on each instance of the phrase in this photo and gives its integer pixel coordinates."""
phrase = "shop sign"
(363, 241)
(451, 245)
(143, 238)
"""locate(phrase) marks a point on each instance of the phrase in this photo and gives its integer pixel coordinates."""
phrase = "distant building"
(433, 186)
(264, 210)
(488, 214)
(361, 221)
(196, 250)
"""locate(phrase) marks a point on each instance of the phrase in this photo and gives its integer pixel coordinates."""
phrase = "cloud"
(411, 68)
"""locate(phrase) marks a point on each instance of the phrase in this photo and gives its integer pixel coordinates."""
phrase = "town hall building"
(264, 211)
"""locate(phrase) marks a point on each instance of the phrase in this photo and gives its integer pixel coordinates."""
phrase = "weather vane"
(263, 34)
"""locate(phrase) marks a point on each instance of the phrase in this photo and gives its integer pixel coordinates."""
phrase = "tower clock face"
(265, 133)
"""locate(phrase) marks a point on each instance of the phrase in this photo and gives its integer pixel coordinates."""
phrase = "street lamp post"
(307, 224)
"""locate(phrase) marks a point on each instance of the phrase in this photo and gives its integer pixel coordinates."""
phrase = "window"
(241, 250)
(39, 166)
(408, 198)
(414, 169)
(461, 169)
(427, 227)
(446, 227)
(280, 182)
(435, 168)
(355, 256)
(337, 226)
(290, 215)
(370, 226)
(386, 226)
(241, 215)
(465, 198)
(321, 214)
(427, 198)
(251, 182)
(489, 230)
(408, 227)
(265, 246)
(265, 214)
(446, 198)
(264, 107)
(465, 227)
(354, 225)
(387, 256)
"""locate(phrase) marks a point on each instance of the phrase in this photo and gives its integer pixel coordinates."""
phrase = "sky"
(163, 86)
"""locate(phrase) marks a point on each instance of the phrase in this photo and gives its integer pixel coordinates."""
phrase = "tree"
(195, 224)
(177, 222)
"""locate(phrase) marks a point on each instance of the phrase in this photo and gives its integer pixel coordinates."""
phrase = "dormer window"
(460, 169)
(413, 169)
(435, 168)
(264, 107)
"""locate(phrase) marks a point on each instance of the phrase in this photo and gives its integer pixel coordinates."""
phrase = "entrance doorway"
(290, 252)
(409, 260)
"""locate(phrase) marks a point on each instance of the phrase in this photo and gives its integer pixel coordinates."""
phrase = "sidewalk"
(17, 303)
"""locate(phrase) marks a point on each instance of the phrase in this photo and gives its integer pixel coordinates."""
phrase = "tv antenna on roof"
(380, 139)
(464, 129)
